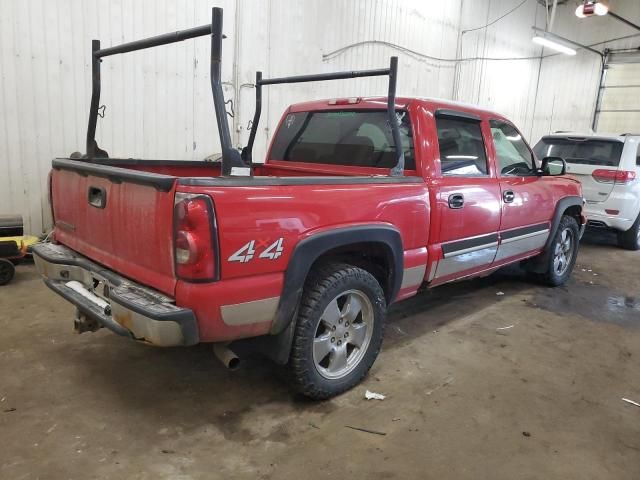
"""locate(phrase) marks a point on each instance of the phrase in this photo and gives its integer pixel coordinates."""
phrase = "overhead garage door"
(619, 109)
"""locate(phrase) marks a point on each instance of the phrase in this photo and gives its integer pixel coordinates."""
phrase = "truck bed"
(119, 212)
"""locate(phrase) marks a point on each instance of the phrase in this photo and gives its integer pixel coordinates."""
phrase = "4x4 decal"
(248, 250)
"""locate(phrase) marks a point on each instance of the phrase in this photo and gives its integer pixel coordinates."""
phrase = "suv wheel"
(562, 253)
(338, 332)
(631, 238)
(7, 271)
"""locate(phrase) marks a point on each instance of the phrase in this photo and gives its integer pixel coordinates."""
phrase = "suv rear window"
(359, 138)
(581, 151)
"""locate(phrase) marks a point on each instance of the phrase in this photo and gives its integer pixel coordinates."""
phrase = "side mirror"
(553, 166)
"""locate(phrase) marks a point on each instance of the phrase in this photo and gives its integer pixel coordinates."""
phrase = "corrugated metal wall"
(159, 101)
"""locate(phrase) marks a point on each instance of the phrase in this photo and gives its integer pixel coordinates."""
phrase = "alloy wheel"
(563, 253)
(343, 334)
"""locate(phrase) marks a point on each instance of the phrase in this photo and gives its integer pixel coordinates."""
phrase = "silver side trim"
(256, 311)
(432, 271)
(476, 257)
(413, 276)
(519, 245)
(470, 249)
(527, 235)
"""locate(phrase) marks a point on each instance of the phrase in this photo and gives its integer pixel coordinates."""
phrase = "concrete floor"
(465, 398)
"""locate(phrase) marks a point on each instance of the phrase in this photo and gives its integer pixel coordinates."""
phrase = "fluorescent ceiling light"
(553, 45)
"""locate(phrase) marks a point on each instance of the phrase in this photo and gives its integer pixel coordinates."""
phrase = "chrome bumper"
(114, 302)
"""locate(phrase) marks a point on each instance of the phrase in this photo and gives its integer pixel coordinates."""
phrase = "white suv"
(608, 166)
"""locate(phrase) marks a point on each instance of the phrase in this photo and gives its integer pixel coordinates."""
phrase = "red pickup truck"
(298, 258)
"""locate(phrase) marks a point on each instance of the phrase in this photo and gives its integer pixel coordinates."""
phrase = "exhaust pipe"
(226, 356)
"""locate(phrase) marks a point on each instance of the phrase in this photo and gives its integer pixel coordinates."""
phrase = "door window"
(513, 154)
(461, 146)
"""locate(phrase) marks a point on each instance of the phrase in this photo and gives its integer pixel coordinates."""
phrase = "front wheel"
(562, 253)
(338, 331)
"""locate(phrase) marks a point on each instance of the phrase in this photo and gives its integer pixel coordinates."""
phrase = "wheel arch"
(341, 244)
(572, 206)
(378, 240)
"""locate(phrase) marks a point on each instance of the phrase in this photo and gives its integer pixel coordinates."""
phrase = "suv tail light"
(195, 239)
(613, 176)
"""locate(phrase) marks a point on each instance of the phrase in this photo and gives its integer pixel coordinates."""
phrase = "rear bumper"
(598, 218)
(618, 211)
(126, 308)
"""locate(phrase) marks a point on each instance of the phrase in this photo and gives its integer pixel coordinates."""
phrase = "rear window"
(585, 152)
(359, 138)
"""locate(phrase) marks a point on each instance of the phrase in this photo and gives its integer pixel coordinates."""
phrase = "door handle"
(508, 196)
(97, 197)
(456, 200)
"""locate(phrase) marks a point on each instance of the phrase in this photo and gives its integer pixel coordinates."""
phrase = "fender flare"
(538, 263)
(310, 249)
(277, 344)
(561, 207)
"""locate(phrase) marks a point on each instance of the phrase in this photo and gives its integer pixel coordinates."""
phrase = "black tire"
(7, 271)
(630, 239)
(328, 284)
(553, 276)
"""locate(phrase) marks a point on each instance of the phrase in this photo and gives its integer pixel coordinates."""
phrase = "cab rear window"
(583, 151)
(360, 138)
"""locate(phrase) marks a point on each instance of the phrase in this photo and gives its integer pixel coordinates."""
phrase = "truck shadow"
(431, 309)
(189, 388)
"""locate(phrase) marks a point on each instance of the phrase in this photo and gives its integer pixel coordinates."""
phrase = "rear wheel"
(631, 238)
(7, 271)
(562, 253)
(338, 332)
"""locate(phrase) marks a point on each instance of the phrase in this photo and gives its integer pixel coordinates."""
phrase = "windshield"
(346, 137)
(581, 151)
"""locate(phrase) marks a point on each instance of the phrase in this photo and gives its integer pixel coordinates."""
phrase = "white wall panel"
(159, 101)
(569, 85)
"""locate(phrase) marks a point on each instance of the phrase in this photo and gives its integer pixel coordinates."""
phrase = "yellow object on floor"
(24, 241)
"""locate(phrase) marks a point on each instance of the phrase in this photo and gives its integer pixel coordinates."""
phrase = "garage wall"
(159, 101)
(569, 85)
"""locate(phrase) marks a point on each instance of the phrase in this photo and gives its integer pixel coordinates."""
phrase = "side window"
(514, 157)
(461, 146)
(638, 156)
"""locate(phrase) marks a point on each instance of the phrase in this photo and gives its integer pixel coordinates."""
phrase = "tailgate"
(120, 218)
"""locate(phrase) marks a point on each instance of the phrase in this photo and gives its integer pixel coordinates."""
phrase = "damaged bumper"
(112, 301)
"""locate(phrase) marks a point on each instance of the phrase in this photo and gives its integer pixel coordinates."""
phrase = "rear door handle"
(508, 196)
(97, 197)
(456, 200)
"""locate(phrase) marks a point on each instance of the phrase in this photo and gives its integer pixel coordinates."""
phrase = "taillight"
(613, 176)
(195, 238)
